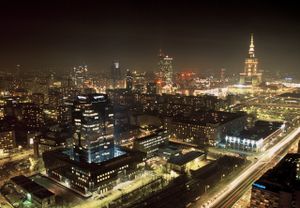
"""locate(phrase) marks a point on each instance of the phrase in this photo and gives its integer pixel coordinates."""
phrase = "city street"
(17, 156)
(241, 182)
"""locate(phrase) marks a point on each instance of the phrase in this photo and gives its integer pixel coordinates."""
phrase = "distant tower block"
(165, 67)
(251, 76)
(129, 80)
(115, 73)
(222, 74)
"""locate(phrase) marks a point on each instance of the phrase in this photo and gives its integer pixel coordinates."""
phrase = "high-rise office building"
(129, 80)
(80, 75)
(94, 127)
(94, 163)
(222, 75)
(251, 75)
(115, 73)
(165, 67)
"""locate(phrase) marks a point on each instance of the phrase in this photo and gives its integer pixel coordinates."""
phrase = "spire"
(160, 53)
(251, 49)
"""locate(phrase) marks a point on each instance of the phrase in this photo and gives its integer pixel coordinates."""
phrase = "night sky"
(200, 36)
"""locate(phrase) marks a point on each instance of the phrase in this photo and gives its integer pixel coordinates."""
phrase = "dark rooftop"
(185, 158)
(125, 157)
(31, 187)
(261, 129)
(283, 177)
(290, 95)
(20, 180)
(208, 117)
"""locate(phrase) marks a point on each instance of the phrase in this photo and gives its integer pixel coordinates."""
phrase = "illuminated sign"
(259, 186)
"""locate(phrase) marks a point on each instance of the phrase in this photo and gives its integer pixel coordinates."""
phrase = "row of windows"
(103, 178)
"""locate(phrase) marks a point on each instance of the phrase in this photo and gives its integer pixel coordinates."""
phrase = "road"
(17, 156)
(241, 182)
(246, 184)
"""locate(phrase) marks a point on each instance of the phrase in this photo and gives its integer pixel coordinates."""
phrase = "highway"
(228, 195)
(246, 184)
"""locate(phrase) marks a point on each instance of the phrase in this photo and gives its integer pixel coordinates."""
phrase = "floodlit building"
(251, 75)
(185, 162)
(255, 138)
(94, 127)
(100, 176)
(94, 164)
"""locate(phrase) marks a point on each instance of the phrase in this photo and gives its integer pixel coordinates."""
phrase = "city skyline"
(155, 104)
(202, 37)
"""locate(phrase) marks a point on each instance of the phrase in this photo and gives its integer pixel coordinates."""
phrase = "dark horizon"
(200, 36)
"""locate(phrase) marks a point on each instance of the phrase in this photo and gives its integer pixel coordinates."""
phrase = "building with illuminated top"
(94, 125)
(79, 75)
(165, 68)
(165, 73)
(251, 75)
(255, 138)
(94, 163)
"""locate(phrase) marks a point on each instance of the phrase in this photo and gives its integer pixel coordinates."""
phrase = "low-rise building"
(150, 144)
(185, 162)
(254, 138)
(205, 127)
(169, 151)
(34, 192)
(280, 186)
(54, 138)
(85, 178)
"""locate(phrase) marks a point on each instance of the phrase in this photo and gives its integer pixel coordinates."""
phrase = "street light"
(206, 187)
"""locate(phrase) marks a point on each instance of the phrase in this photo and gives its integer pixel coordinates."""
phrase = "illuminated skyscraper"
(94, 126)
(165, 68)
(115, 73)
(94, 164)
(129, 80)
(80, 75)
(251, 76)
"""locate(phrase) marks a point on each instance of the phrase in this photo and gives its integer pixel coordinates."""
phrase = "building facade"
(204, 128)
(150, 144)
(165, 67)
(7, 140)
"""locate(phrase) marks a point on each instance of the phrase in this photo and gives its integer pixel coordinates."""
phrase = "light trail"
(247, 172)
